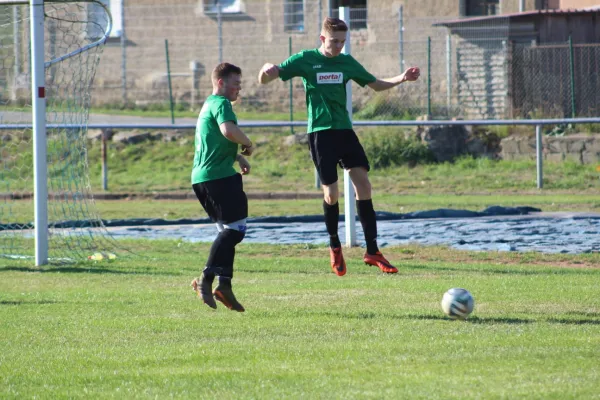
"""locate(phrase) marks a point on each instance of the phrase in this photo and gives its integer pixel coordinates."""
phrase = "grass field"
(133, 328)
(157, 167)
(22, 210)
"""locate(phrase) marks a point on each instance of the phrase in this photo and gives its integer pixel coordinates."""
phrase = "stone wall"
(449, 142)
(581, 148)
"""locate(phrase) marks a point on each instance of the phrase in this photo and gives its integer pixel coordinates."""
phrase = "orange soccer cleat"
(379, 261)
(338, 265)
(203, 290)
(225, 295)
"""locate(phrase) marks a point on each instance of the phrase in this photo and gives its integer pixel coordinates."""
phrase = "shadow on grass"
(85, 270)
(544, 270)
(25, 302)
(574, 321)
(470, 320)
(584, 313)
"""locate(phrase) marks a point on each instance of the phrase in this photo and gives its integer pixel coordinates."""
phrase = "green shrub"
(383, 107)
(389, 149)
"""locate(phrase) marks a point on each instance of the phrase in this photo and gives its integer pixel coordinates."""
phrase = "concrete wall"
(581, 148)
(482, 79)
(564, 4)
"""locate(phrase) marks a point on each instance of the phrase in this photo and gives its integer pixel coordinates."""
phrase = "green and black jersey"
(214, 154)
(325, 81)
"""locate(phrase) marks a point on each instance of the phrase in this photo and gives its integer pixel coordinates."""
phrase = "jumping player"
(218, 186)
(325, 72)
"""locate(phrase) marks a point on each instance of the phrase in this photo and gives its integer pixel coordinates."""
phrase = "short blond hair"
(331, 25)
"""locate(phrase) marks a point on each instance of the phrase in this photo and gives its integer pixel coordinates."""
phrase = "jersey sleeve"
(359, 74)
(224, 112)
(291, 67)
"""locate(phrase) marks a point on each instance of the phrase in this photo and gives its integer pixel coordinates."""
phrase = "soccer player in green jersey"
(325, 72)
(218, 186)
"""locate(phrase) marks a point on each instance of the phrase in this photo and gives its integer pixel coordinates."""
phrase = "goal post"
(61, 32)
(349, 194)
(38, 112)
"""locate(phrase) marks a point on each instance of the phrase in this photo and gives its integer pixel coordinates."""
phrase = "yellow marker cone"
(98, 256)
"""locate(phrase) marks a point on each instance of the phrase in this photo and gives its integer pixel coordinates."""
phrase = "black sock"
(332, 216)
(225, 281)
(366, 214)
(208, 275)
(222, 253)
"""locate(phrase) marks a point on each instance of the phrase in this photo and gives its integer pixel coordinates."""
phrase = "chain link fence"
(470, 68)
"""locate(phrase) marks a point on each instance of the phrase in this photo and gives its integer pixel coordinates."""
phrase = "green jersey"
(325, 81)
(214, 154)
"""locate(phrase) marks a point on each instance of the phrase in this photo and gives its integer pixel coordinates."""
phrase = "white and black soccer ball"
(458, 303)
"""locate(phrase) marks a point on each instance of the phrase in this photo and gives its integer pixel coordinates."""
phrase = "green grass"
(163, 167)
(22, 210)
(157, 167)
(275, 168)
(132, 328)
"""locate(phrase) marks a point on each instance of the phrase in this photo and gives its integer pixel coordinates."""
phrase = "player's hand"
(412, 74)
(248, 150)
(244, 165)
(270, 70)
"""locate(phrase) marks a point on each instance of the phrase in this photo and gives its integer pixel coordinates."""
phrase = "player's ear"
(322, 38)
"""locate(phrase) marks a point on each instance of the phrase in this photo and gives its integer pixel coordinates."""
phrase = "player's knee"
(236, 236)
(330, 198)
(236, 230)
(363, 190)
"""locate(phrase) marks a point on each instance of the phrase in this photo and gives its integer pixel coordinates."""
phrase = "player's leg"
(233, 206)
(203, 285)
(323, 152)
(355, 160)
(223, 255)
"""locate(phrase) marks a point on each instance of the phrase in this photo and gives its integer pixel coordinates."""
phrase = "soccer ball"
(457, 303)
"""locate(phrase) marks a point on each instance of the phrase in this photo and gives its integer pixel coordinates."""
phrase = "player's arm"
(244, 164)
(269, 72)
(411, 74)
(233, 133)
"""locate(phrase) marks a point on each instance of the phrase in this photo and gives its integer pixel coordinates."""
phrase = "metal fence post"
(16, 51)
(169, 81)
(195, 67)
(572, 76)
(449, 74)
(220, 31)
(291, 88)
(401, 37)
(123, 55)
(104, 161)
(539, 156)
(428, 76)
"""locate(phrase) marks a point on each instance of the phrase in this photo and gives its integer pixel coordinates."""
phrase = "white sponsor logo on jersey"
(317, 66)
(330, 77)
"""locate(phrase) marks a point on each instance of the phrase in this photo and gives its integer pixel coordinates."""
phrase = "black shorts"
(333, 147)
(224, 200)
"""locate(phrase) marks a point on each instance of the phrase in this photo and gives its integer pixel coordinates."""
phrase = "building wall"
(258, 37)
(565, 4)
(482, 79)
(250, 41)
(512, 6)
